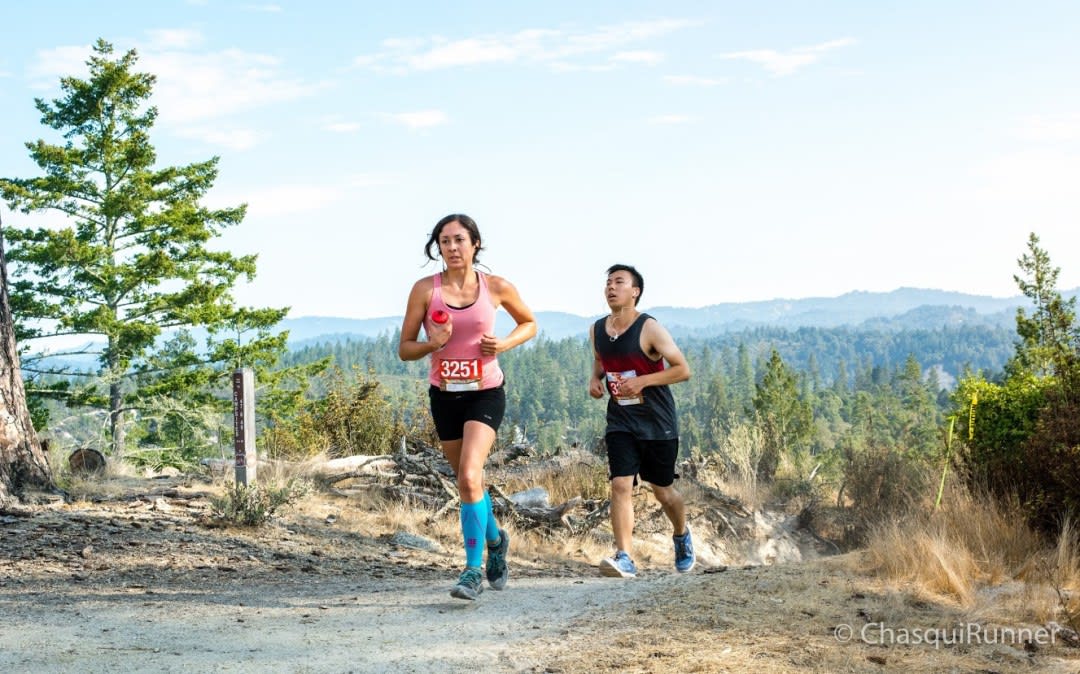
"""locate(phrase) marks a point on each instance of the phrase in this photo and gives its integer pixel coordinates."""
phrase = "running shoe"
(469, 585)
(684, 552)
(497, 573)
(618, 566)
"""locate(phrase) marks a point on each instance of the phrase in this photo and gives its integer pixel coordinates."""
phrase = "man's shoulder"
(648, 320)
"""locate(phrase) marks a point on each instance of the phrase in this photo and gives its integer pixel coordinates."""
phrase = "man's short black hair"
(639, 282)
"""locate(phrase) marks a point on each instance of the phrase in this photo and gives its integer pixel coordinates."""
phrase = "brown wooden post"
(244, 425)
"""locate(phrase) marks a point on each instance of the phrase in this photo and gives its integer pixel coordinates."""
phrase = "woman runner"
(456, 308)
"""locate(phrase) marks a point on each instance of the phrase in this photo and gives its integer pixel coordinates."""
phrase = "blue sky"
(732, 151)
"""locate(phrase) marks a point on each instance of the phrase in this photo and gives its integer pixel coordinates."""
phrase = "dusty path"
(321, 626)
(143, 585)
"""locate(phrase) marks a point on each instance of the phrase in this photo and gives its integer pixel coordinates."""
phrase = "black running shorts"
(653, 460)
(451, 409)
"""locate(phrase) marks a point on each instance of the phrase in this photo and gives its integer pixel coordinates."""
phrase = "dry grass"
(587, 479)
(118, 478)
(982, 557)
(742, 450)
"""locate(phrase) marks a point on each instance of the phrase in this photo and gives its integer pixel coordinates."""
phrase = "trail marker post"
(244, 424)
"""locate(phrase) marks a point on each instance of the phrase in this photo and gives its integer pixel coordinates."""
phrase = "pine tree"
(787, 419)
(134, 264)
(1049, 337)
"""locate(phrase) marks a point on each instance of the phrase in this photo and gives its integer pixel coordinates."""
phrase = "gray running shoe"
(469, 585)
(619, 566)
(497, 572)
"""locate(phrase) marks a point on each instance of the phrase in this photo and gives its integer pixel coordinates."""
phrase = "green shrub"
(352, 417)
(254, 505)
(883, 483)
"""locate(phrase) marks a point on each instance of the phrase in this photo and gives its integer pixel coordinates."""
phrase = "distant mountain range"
(901, 309)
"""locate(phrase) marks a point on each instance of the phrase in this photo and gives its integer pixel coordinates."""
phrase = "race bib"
(613, 379)
(461, 374)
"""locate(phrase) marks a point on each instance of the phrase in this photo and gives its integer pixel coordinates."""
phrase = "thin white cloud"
(1050, 128)
(288, 199)
(342, 127)
(788, 62)
(269, 8)
(463, 53)
(693, 81)
(362, 180)
(233, 139)
(194, 87)
(293, 198)
(52, 64)
(649, 58)
(554, 48)
(173, 39)
(564, 67)
(672, 119)
(420, 119)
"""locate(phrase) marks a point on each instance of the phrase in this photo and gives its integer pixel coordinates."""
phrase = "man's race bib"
(613, 379)
(461, 374)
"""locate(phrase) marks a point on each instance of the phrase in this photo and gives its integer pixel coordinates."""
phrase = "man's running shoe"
(619, 566)
(684, 552)
(497, 573)
(469, 585)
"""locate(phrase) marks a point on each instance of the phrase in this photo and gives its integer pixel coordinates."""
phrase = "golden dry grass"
(982, 557)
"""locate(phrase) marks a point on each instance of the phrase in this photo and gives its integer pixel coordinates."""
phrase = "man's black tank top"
(652, 417)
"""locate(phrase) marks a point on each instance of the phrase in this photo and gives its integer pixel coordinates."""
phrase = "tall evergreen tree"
(1048, 337)
(787, 419)
(134, 264)
(743, 395)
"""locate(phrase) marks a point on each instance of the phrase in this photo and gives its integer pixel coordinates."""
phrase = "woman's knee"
(470, 481)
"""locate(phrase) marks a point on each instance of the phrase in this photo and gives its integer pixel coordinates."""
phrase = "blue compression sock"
(473, 523)
(492, 524)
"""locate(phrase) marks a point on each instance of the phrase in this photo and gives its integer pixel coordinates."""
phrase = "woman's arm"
(409, 346)
(506, 295)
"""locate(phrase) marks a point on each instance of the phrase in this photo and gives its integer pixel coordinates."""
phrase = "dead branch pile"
(419, 474)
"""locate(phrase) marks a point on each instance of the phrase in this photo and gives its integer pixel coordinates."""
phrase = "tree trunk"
(22, 461)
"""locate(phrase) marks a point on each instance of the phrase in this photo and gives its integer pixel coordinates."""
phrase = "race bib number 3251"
(461, 374)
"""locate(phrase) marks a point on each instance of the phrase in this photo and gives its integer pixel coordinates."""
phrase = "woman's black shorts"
(451, 410)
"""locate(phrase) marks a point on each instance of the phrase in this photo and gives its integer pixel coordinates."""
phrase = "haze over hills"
(901, 309)
(894, 311)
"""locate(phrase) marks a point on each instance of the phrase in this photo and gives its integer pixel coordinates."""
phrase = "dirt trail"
(140, 584)
(325, 625)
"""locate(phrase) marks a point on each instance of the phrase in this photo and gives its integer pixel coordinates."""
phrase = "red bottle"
(439, 316)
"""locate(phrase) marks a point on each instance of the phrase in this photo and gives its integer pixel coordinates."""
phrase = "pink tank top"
(459, 366)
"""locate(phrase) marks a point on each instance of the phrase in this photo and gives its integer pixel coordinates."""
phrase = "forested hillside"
(832, 372)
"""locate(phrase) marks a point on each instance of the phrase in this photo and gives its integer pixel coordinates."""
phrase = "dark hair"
(465, 221)
(639, 282)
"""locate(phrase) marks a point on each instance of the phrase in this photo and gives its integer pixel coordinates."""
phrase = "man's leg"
(622, 512)
(672, 503)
